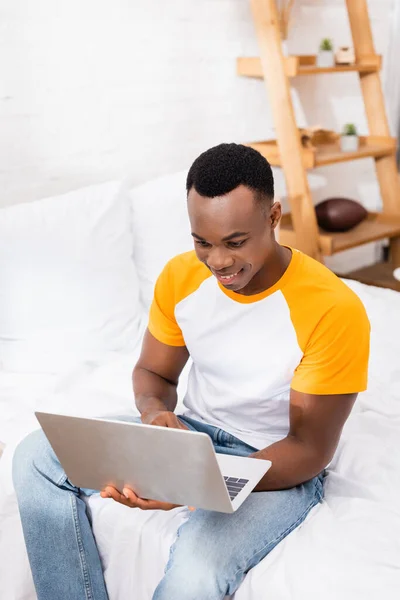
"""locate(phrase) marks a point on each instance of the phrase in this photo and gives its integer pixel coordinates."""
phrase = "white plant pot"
(349, 143)
(326, 58)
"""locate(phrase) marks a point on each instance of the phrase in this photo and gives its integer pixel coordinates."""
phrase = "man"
(280, 350)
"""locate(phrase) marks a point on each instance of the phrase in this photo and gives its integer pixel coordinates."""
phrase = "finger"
(146, 504)
(116, 495)
(168, 422)
(191, 508)
(173, 422)
(106, 492)
(112, 492)
(130, 495)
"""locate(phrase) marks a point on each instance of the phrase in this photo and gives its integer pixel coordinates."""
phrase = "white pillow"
(161, 227)
(69, 289)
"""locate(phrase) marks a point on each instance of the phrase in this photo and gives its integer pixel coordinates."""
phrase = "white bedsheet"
(348, 548)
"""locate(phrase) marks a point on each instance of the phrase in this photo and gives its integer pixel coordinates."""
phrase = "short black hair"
(223, 168)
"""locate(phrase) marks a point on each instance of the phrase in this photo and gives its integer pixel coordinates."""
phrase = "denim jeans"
(209, 559)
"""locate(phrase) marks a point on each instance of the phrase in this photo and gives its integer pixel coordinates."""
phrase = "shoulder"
(182, 275)
(322, 286)
(314, 284)
(320, 301)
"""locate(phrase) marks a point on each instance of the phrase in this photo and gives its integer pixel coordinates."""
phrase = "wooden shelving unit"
(300, 228)
(307, 65)
(329, 154)
(377, 226)
(379, 274)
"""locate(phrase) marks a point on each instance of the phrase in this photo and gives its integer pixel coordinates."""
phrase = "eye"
(202, 243)
(237, 244)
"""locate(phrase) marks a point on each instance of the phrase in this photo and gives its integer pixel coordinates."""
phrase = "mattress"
(348, 547)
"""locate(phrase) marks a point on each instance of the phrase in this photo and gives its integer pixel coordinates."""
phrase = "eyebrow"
(236, 234)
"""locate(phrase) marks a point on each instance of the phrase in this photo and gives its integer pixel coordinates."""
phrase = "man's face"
(233, 236)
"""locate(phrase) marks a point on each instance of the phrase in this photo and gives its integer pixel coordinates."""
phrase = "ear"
(275, 214)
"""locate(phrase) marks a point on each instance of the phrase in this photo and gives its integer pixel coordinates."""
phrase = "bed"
(348, 547)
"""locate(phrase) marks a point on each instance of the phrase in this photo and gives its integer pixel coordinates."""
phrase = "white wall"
(92, 89)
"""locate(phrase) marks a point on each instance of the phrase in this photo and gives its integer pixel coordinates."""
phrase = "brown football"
(339, 214)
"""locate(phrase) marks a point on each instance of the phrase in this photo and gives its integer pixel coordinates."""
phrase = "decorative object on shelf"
(339, 214)
(284, 11)
(345, 56)
(349, 141)
(396, 273)
(311, 137)
(326, 55)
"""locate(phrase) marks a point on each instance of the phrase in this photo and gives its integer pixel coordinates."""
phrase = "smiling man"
(280, 350)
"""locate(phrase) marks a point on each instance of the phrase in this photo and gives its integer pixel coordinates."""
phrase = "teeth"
(229, 276)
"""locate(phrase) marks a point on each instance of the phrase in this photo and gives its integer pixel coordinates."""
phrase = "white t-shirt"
(308, 332)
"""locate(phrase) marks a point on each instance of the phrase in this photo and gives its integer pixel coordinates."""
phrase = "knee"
(198, 576)
(30, 454)
(187, 583)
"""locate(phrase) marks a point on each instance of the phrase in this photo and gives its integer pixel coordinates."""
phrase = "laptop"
(161, 463)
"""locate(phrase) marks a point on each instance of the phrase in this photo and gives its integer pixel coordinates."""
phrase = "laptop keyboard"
(234, 486)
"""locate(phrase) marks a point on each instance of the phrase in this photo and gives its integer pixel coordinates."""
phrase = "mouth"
(229, 279)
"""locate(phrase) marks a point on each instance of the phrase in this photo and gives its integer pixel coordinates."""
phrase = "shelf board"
(378, 274)
(330, 153)
(376, 226)
(307, 65)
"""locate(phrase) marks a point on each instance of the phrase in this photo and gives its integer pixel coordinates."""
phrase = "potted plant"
(349, 141)
(326, 55)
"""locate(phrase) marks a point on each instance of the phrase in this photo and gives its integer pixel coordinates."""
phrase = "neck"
(270, 273)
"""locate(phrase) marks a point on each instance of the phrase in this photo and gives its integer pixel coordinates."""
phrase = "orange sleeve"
(162, 323)
(180, 277)
(335, 359)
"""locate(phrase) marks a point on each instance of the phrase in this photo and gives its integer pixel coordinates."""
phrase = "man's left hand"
(129, 498)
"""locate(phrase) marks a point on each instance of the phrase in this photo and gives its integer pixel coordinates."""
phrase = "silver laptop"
(161, 463)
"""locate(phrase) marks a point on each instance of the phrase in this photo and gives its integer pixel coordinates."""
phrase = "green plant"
(349, 129)
(326, 45)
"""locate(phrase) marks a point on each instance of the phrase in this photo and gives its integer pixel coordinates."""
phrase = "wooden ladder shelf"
(300, 227)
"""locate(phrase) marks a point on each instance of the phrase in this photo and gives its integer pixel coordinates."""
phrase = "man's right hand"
(162, 418)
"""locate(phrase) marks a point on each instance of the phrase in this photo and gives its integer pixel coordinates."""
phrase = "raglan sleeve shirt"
(330, 321)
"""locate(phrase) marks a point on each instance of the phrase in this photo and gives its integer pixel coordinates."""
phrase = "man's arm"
(316, 422)
(155, 379)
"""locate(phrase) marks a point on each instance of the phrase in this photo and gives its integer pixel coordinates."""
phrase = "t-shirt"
(308, 332)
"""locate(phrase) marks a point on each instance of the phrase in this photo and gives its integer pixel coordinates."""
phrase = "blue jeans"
(209, 559)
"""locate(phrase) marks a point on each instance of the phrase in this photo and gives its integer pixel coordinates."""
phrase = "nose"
(219, 259)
